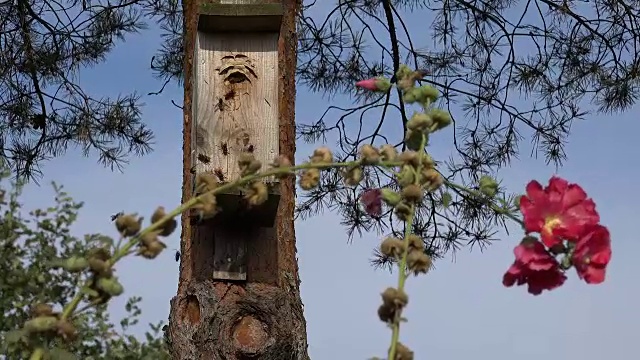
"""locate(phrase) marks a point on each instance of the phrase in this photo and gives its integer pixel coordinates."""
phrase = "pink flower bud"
(369, 84)
(379, 84)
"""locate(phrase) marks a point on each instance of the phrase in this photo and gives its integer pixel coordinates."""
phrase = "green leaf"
(61, 354)
(446, 199)
(13, 336)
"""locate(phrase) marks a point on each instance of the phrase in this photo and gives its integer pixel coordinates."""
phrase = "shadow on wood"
(239, 243)
(234, 208)
(256, 17)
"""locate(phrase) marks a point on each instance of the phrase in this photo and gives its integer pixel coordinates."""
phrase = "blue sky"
(458, 311)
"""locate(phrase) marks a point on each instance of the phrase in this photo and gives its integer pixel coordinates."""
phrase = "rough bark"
(261, 318)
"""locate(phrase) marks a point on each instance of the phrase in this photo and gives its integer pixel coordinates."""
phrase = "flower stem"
(494, 207)
(402, 267)
(121, 252)
(126, 249)
(37, 354)
(402, 278)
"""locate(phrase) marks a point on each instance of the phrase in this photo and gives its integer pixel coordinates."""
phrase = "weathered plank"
(222, 250)
(251, 16)
(235, 100)
(235, 110)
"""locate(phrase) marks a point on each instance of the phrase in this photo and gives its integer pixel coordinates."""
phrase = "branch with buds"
(415, 173)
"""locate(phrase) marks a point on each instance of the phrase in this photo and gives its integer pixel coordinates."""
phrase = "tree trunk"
(262, 317)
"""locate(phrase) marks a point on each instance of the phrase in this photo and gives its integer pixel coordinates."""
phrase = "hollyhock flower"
(592, 254)
(535, 267)
(557, 211)
(379, 84)
(372, 201)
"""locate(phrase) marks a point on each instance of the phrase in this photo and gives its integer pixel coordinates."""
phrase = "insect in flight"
(115, 216)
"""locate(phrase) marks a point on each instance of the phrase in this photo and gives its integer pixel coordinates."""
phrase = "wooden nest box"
(235, 110)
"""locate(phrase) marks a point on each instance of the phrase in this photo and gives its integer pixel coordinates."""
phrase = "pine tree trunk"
(261, 318)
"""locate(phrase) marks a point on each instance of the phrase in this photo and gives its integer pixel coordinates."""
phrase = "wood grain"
(235, 110)
(231, 118)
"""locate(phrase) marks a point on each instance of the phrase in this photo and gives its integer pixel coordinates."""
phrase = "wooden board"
(235, 100)
(234, 16)
(235, 110)
(221, 251)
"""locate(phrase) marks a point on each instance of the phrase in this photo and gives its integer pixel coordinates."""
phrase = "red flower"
(535, 267)
(557, 212)
(592, 254)
(372, 201)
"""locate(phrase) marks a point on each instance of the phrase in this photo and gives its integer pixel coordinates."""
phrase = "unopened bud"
(403, 352)
(205, 182)
(411, 94)
(390, 197)
(322, 155)
(395, 297)
(379, 84)
(369, 155)
(431, 179)
(428, 93)
(257, 193)
(488, 186)
(412, 193)
(40, 324)
(410, 158)
(75, 264)
(41, 310)
(168, 226)
(414, 139)
(128, 225)
(281, 162)
(110, 285)
(415, 242)
(420, 122)
(309, 179)
(353, 176)
(98, 266)
(66, 329)
(392, 247)
(441, 118)
(418, 262)
(406, 176)
(388, 152)
(403, 211)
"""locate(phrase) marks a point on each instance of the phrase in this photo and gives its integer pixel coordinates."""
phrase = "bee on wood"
(192, 170)
(177, 255)
(250, 149)
(220, 104)
(115, 216)
(218, 172)
(230, 95)
(225, 149)
(204, 158)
